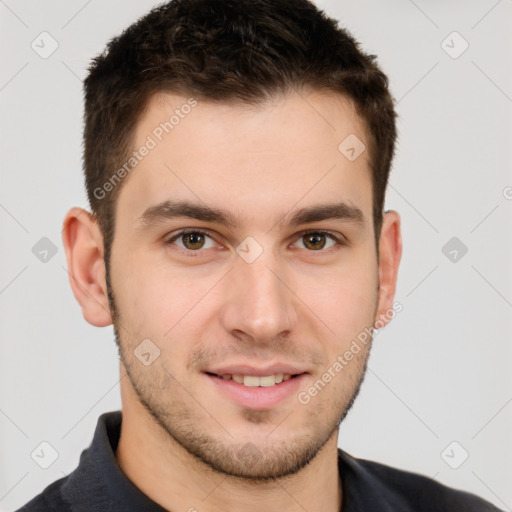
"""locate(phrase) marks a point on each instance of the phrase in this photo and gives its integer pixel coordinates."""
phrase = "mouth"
(254, 381)
(257, 392)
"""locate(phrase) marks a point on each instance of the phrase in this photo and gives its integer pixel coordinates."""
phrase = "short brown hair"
(228, 51)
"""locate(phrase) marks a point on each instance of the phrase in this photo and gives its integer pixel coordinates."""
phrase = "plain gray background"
(439, 384)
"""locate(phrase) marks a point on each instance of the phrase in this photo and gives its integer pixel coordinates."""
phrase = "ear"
(83, 244)
(390, 252)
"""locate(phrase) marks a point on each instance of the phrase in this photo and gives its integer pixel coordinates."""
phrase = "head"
(229, 118)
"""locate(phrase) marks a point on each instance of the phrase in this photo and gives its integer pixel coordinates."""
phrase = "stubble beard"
(237, 459)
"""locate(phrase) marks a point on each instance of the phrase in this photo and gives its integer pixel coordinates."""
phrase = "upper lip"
(261, 371)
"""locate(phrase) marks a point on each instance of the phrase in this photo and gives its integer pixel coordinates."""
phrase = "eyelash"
(190, 253)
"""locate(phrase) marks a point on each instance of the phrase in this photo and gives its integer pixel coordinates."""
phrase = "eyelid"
(338, 238)
(333, 235)
(186, 231)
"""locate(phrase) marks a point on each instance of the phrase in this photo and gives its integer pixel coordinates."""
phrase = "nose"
(259, 302)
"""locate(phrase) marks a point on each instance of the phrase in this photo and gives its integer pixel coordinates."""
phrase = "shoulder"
(406, 491)
(49, 500)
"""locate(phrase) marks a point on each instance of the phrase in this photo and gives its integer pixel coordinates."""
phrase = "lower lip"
(260, 397)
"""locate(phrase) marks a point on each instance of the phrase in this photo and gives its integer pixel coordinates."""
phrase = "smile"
(258, 392)
(254, 381)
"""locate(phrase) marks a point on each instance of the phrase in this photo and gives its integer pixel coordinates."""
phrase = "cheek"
(344, 298)
(156, 300)
(347, 313)
(160, 301)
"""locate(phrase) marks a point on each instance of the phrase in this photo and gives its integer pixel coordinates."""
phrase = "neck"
(170, 476)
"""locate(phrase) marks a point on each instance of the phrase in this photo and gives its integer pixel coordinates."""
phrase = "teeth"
(253, 381)
(267, 381)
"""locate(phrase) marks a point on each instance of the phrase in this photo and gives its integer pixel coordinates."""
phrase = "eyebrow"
(168, 210)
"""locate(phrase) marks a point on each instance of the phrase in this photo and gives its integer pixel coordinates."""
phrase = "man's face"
(255, 298)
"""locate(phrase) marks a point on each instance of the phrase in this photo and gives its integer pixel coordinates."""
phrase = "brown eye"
(314, 241)
(319, 241)
(193, 241)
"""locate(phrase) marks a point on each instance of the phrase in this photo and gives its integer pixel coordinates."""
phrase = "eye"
(318, 240)
(192, 240)
(195, 241)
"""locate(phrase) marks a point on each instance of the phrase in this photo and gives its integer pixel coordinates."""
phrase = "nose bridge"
(258, 302)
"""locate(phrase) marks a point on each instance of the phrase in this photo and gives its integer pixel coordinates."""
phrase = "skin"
(183, 443)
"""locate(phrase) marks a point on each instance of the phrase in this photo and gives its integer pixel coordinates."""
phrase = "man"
(236, 156)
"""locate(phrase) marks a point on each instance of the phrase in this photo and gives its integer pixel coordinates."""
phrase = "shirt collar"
(99, 478)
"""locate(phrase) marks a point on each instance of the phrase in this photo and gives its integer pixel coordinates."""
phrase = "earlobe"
(390, 253)
(83, 244)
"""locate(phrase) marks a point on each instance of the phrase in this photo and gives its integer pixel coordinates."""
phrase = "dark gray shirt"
(99, 485)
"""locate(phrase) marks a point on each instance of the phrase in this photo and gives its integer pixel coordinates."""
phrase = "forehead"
(251, 159)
